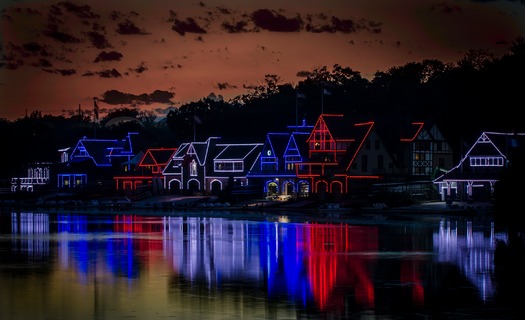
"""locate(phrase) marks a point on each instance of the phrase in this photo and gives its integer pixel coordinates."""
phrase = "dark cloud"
(173, 16)
(141, 68)
(98, 40)
(224, 86)
(321, 23)
(63, 72)
(445, 7)
(6, 17)
(344, 25)
(29, 49)
(113, 73)
(128, 27)
(273, 21)
(11, 63)
(374, 27)
(115, 15)
(16, 56)
(223, 10)
(249, 86)
(60, 36)
(36, 49)
(42, 63)
(190, 25)
(304, 74)
(108, 56)
(116, 97)
(83, 12)
(29, 11)
(236, 27)
(7, 14)
(162, 96)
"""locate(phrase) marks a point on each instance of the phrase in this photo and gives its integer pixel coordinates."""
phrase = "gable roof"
(200, 150)
(181, 150)
(360, 131)
(100, 151)
(157, 157)
(490, 146)
(277, 142)
(135, 160)
(337, 126)
(298, 143)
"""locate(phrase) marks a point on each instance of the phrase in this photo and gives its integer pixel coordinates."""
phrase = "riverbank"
(210, 203)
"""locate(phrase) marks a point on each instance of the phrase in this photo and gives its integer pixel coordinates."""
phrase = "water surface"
(71, 265)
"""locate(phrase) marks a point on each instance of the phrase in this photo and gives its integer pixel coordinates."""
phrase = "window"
(486, 161)
(422, 145)
(364, 163)
(380, 162)
(367, 144)
(193, 168)
(229, 166)
(441, 163)
(377, 144)
(82, 152)
(177, 163)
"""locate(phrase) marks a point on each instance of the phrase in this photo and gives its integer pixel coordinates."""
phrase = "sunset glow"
(156, 55)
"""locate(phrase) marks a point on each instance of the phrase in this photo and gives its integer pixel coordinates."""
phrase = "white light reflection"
(471, 250)
(34, 227)
(211, 248)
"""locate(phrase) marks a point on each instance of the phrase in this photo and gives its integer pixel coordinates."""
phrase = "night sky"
(159, 54)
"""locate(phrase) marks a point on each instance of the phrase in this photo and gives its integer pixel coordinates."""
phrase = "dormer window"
(82, 152)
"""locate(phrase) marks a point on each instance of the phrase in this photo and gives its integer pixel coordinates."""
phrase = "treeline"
(481, 92)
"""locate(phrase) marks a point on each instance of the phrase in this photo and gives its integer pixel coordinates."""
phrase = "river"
(213, 265)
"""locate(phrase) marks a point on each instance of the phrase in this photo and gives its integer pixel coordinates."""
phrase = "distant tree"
(476, 60)
(147, 117)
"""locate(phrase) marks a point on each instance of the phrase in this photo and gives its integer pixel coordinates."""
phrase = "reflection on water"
(115, 266)
(472, 252)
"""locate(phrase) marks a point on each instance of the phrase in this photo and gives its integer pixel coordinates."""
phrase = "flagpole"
(95, 116)
(296, 98)
(322, 98)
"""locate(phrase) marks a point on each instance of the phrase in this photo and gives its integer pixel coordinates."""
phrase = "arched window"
(193, 168)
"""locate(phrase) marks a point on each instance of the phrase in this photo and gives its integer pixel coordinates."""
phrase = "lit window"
(193, 168)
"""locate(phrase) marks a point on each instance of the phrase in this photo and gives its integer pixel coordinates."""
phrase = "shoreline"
(209, 206)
